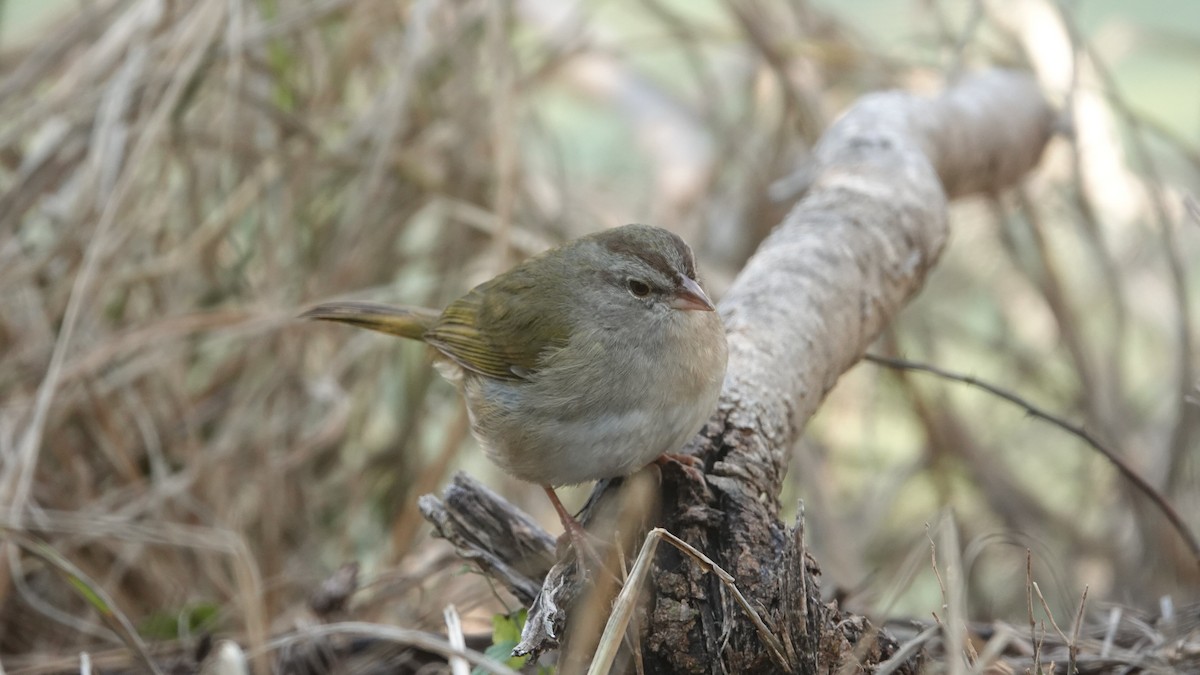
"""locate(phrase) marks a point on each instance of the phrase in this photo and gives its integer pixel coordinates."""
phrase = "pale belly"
(567, 445)
(606, 446)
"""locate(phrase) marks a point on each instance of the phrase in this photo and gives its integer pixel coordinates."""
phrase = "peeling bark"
(857, 245)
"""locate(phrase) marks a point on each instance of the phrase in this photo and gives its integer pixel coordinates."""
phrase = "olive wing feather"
(500, 329)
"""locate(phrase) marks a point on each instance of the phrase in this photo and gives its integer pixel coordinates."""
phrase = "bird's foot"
(584, 544)
(581, 541)
(691, 465)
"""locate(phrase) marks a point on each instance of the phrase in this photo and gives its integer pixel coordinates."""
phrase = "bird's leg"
(580, 539)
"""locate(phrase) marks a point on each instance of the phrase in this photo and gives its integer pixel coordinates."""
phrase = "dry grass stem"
(401, 636)
(1158, 499)
(178, 180)
(626, 602)
(454, 632)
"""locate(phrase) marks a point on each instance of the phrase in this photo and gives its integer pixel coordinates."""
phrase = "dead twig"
(626, 601)
(1156, 497)
(95, 595)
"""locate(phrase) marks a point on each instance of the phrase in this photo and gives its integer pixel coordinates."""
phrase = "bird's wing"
(499, 330)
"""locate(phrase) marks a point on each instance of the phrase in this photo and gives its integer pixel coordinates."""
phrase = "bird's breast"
(602, 406)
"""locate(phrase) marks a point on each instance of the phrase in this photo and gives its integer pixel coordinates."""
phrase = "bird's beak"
(691, 297)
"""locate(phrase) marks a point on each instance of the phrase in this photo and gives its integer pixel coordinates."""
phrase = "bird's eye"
(638, 288)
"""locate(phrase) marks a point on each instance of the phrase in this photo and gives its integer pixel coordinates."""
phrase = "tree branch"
(870, 225)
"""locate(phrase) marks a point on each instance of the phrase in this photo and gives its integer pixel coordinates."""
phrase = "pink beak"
(691, 297)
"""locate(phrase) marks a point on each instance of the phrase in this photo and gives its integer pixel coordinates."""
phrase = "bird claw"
(581, 541)
(691, 465)
(585, 545)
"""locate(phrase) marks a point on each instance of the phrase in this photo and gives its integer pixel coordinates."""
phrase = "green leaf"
(507, 628)
(93, 598)
(506, 633)
(188, 620)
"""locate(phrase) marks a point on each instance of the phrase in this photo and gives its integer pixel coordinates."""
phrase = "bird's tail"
(406, 322)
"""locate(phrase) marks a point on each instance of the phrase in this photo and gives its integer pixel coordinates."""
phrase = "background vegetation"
(178, 180)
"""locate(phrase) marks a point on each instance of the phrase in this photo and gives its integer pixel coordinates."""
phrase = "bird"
(588, 361)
